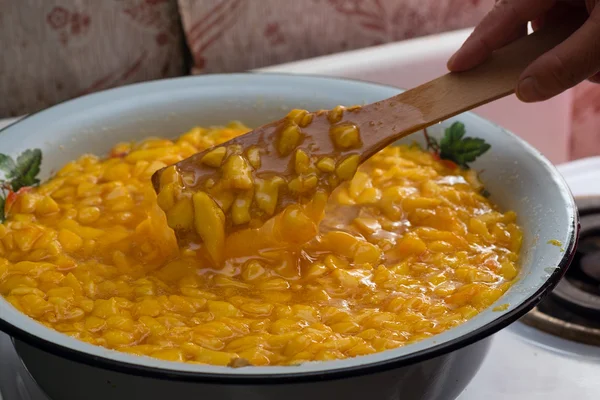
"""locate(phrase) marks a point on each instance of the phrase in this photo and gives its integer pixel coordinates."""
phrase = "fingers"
(557, 13)
(594, 78)
(538, 23)
(506, 22)
(571, 62)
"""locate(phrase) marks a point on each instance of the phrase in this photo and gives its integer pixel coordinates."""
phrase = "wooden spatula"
(253, 177)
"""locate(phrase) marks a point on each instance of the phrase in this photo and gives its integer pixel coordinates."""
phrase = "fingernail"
(527, 90)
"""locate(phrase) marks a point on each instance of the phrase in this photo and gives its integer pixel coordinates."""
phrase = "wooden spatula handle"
(455, 93)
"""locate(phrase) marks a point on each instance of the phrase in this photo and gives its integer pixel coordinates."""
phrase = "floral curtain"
(54, 50)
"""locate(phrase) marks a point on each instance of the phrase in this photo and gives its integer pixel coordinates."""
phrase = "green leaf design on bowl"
(455, 147)
(18, 175)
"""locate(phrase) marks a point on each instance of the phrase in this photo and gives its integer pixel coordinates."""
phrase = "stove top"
(553, 353)
(572, 311)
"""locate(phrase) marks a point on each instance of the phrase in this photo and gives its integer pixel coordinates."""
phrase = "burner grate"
(572, 310)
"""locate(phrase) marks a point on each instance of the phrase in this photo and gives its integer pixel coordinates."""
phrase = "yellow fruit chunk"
(69, 240)
(301, 162)
(169, 175)
(181, 215)
(345, 135)
(266, 193)
(294, 226)
(411, 244)
(289, 139)
(347, 167)
(166, 196)
(326, 164)
(335, 114)
(237, 173)
(240, 209)
(214, 158)
(296, 115)
(209, 222)
(303, 184)
(253, 154)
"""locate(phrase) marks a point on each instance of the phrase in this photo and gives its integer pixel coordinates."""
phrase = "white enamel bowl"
(517, 176)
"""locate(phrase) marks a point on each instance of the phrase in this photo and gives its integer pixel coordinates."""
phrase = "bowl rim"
(436, 350)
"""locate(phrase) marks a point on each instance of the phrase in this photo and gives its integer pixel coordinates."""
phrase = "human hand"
(573, 61)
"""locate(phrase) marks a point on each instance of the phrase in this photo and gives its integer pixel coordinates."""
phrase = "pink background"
(54, 50)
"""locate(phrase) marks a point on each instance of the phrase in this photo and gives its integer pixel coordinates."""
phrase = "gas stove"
(572, 311)
(552, 353)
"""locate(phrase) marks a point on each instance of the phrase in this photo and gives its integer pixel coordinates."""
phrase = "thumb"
(573, 61)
